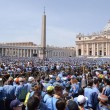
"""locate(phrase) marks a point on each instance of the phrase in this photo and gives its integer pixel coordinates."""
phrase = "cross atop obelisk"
(43, 37)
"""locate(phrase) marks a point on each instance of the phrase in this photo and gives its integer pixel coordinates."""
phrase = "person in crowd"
(21, 90)
(61, 104)
(58, 81)
(96, 86)
(52, 79)
(74, 86)
(103, 103)
(9, 92)
(30, 81)
(106, 89)
(101, 85)
(80, 92)
(34, 103)
(16, 81)
(49, 93)
(81, 101)
(72, 105)
(91, 95)
(16, 105)
(58, 94)
(30, 93)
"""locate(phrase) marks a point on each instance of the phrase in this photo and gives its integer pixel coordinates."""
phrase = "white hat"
(97, 73)
(64, 78)
(81, 99)
(30, 79)
(0, 79)
(50, 76)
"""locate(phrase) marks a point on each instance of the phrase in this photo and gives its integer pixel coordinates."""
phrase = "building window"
(79, 38)
(104, 53)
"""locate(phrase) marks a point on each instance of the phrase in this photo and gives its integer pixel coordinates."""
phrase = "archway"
(79, 51)
(90, 53)
(100, 52)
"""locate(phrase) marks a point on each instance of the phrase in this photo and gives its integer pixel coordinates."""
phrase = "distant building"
(96, 44)
(29, 49)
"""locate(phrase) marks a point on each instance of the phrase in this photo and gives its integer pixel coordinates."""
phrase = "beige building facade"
(29, 49)
(94, 45)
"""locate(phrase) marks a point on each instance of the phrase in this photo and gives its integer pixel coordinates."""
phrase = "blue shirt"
(51, 103)
(107, 91)
(29, 86)
(1, 93)
(75, 88)
(95, 89)
(21, 91)
(42, 106)
(92, 97)
(9, 91)
(46, 97)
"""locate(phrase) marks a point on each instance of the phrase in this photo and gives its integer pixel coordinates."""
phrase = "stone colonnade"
(93, 49)
(18, 52)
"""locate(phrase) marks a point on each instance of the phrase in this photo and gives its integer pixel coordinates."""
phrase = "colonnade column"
(2, 51)
(30, 53)
(106, 49)
(102, 49)
(82, 50)
(5, 51)
(92, 49)
(97, 49)
(87, 49)
(18, 52)
(27, 53)
(76, 50)
(21, 52)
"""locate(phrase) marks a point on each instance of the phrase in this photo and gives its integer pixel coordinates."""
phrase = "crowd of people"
(55, 84)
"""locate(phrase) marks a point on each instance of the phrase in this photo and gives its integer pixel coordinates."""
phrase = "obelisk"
(43, 38)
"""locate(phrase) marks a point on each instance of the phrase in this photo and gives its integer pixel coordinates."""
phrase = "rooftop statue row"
(105, 31)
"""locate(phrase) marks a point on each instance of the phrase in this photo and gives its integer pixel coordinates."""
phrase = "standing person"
(106, 89)
(58, 93)
(74, 86)
(91, 95)
(95, 86)
(9, 92)
(21, 90)
(81, 101)
(49, 93)
(30, 81)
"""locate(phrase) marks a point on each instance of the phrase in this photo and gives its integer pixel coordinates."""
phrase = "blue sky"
(20, 20)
